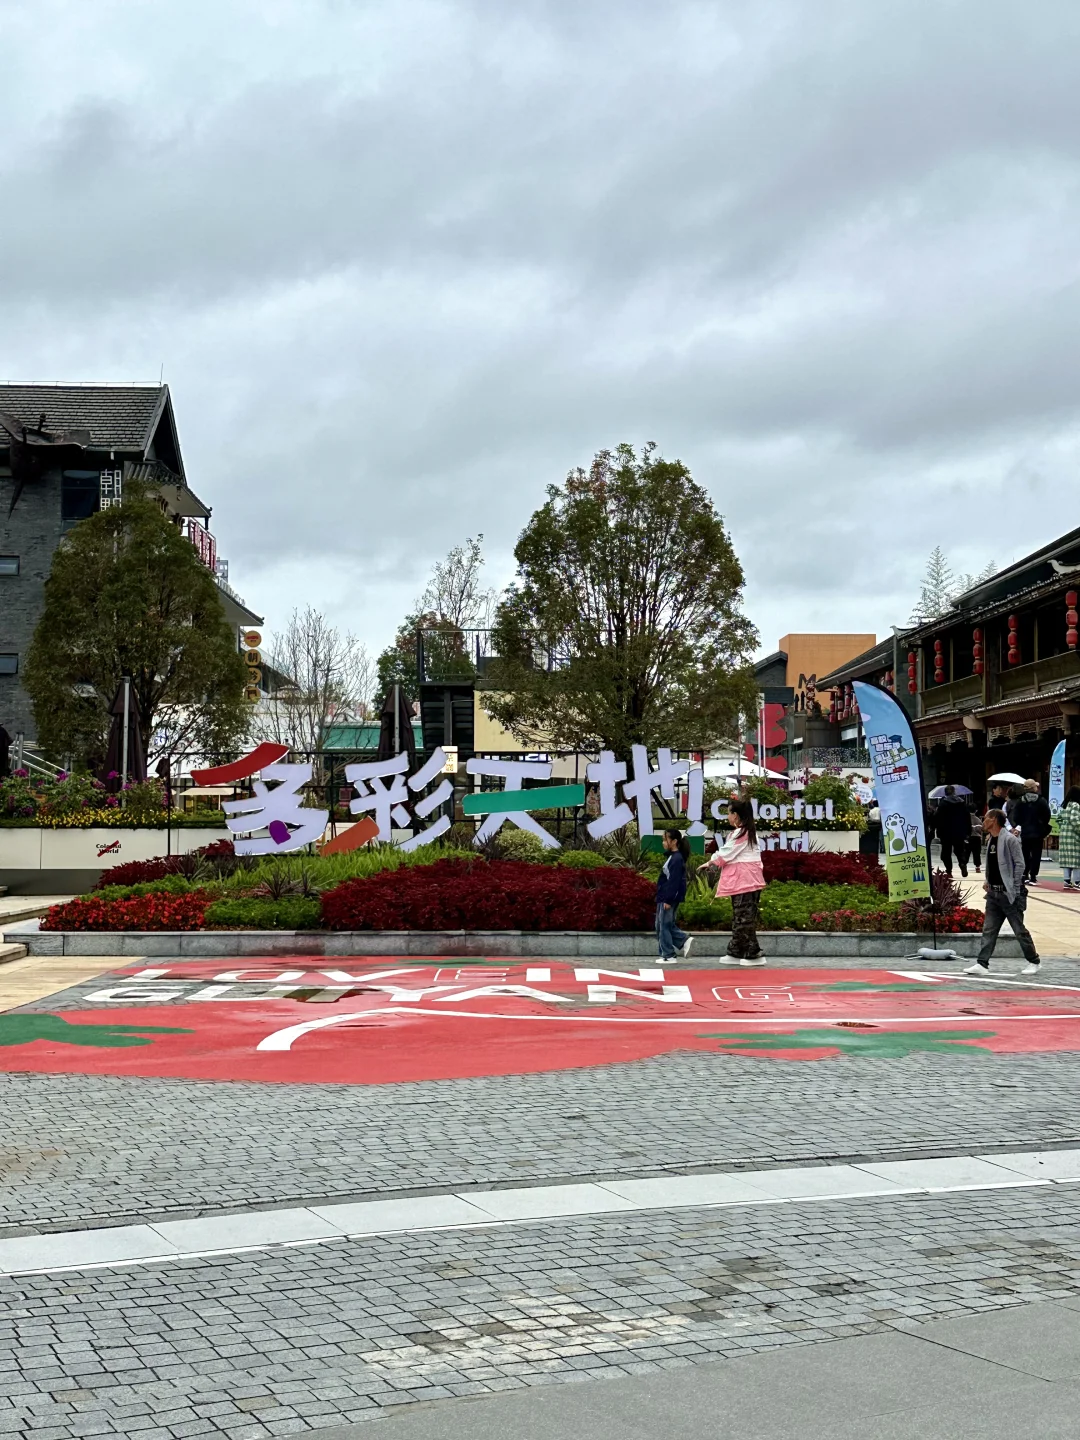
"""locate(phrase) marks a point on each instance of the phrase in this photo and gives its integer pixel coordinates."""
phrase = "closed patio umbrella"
(125, 716)
(395, 726)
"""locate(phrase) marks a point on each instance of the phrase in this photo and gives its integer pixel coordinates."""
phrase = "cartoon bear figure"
(896, 840)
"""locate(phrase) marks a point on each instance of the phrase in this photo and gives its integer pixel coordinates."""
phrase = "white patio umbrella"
(1007, 777)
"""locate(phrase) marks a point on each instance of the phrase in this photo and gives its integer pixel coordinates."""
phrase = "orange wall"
(821, 654)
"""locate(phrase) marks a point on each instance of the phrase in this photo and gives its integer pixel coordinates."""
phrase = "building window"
(79, 491)
(9, 564)
(9, 664)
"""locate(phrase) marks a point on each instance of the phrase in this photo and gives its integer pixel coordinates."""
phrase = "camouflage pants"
(744, 942)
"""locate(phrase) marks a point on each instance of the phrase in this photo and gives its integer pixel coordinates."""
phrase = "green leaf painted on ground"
(878, 1044)
(25, 1029)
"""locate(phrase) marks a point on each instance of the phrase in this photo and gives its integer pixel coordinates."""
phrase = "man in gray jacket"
(1006, 894)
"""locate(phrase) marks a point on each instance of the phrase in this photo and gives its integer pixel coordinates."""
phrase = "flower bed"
(158, 910)
(440, 888)
(493, 895)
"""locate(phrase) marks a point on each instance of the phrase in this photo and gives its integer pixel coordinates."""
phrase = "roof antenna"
(161, 373)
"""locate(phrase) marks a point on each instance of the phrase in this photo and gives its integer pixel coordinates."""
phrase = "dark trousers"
(1032, 855)
(743, 944)
(1000, 908)
(976, 848)
(961, 848)
(669, 937)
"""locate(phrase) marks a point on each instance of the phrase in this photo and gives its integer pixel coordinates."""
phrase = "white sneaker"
(686, 947)
(977, 969)
(759, 961)
(1030, 970)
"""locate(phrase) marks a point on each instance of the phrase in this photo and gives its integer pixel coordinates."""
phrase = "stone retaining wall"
(550, 944)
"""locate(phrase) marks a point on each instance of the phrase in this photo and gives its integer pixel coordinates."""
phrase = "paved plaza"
(873, 1235)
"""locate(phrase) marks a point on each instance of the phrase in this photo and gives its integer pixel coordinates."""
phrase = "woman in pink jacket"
(742, 878)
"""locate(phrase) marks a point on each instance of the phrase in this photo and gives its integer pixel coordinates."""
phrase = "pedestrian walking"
(670, 893)
(1032, 818)
(975, 840)
(742, 878)
(1069, 838)
(1006, 896)
(1003, 797)
(953, 829)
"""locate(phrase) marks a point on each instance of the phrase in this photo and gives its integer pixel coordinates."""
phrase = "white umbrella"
(1007, 777)
(735, 770)
(939, 790)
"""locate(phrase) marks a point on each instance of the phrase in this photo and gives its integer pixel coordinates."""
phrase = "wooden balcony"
(1017, 681)
(962, 694)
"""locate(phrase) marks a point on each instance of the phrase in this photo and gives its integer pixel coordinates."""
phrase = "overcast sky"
(406, 263)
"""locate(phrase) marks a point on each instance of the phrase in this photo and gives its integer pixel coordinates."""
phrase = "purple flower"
(114, 774)
(21, 774)
(62, 775)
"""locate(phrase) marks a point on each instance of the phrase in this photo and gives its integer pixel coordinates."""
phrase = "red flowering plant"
(141, 872)
(492, 895)
(817, 867)
(155, 911)
(904, 919)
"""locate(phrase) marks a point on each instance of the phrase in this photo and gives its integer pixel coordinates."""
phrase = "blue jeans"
(669, 937)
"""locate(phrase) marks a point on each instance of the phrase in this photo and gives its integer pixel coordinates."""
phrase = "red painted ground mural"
(358, 1021)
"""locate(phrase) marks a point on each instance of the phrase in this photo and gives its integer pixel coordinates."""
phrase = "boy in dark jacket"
(953, 826)
(670, 893)
(1032, 817)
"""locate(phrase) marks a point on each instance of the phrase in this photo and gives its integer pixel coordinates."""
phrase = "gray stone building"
(65, 451)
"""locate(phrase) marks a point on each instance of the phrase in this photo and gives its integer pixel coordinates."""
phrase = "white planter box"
(98, 847)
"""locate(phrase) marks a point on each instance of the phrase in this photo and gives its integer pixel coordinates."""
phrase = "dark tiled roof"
(873, 659)
(119, 417)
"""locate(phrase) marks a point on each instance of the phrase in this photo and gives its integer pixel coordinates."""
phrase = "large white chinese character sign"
(269, 821)
(382, 791)
(389, 799)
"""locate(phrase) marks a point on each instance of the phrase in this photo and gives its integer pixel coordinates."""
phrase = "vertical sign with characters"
(894, 758)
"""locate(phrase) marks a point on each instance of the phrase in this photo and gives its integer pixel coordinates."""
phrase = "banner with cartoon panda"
(894, 757)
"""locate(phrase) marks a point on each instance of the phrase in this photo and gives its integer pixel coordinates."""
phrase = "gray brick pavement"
(300, 1340)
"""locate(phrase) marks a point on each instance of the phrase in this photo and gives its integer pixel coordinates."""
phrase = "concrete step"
(8, 953)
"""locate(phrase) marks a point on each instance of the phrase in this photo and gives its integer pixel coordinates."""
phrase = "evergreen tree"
(127, 594)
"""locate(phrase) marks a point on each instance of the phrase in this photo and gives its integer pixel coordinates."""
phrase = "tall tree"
(624, 623)
(329, 680)
(127, 594)
(454, 600)
(940, 587)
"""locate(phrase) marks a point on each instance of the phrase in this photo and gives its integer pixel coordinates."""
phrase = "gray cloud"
(406, 264)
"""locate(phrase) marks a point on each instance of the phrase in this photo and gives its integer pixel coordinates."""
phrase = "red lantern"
(939, 646)
(1014, 657)
(1012, 622)
(1070, 598)
(1071, 617)
(976, 635)
(911, 657)
(912, 687)
(978, 667)
(911, 672)
(977, 651)
(1071, 637)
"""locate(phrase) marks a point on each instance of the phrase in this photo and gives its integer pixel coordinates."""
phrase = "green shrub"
(293, 913)
(521, 845)
(785, 905)
(580, 859)
(167, 885)
(326, 871)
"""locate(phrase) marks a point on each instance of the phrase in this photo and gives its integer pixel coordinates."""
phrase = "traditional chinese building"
(994, 683)
(997, 678)
(66, 451)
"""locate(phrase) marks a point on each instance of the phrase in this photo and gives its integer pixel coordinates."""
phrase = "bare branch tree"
(455, 592)
(325, 677)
